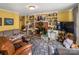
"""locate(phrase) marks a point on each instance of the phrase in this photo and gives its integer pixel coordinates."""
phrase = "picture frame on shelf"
(40, 18)
(55, 14)
(31, 17)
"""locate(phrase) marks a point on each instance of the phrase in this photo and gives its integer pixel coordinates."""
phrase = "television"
(67, 26)
(8, 21)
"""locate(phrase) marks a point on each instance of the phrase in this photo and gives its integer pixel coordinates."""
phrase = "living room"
(39, 28)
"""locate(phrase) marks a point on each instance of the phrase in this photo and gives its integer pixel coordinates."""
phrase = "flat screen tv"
(8, 21)
(68, 26)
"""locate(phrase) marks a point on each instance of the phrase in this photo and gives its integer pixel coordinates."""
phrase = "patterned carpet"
(43, 46)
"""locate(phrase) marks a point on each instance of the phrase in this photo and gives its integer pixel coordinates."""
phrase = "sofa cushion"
(1, 33)
(17, 46)
(8, 33)
(65, 51)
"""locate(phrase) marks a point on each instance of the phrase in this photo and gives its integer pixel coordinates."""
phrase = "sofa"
(9, 32)
(71, 51)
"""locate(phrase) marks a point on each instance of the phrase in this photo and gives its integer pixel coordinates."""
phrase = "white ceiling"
(42, 7)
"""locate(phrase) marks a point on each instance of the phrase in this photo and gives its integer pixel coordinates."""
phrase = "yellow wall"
(7, 14)
(65, 16)
(71, 15)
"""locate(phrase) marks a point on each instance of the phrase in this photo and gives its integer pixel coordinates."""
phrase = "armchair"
(7, 47)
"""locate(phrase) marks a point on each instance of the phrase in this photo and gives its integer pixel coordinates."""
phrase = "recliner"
(7, 47)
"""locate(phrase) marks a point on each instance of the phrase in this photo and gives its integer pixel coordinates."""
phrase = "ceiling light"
(31, 7)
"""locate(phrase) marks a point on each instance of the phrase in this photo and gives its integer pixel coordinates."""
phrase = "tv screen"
(8, 21)
(68, 26)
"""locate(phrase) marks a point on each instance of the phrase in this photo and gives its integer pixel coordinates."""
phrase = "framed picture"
(31, 17)
(54, 14)
(0, 21)
(8, 21)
